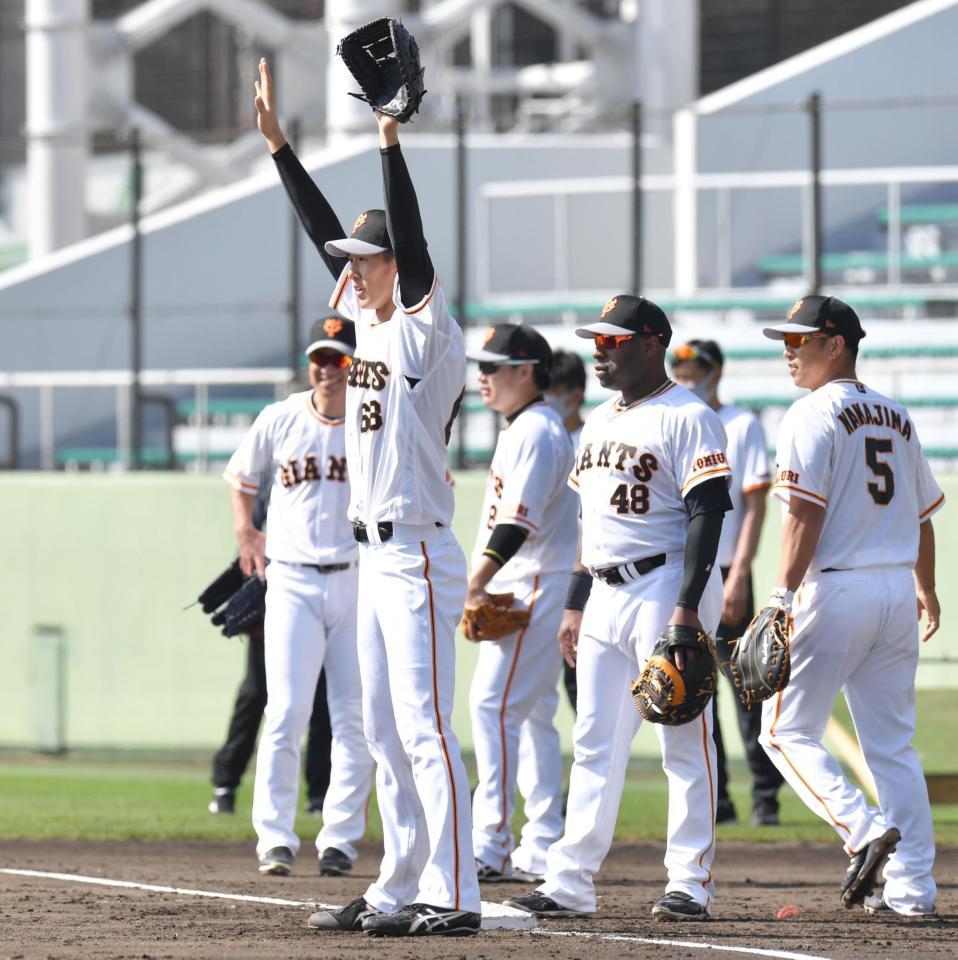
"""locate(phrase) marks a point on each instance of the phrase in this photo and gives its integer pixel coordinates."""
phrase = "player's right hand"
(252, 552)
(928, 603)
(266, 117)
(568, 636)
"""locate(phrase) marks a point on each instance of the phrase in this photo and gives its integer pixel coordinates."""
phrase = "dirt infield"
(58, 918)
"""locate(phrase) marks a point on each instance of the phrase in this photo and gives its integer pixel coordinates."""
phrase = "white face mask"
(562, 403)
(705, 388)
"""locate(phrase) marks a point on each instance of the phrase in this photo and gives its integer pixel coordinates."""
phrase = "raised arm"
(415, 269)
(316, 215)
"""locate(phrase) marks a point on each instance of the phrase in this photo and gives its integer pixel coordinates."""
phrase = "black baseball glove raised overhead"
(383, 56)
(663, 693)
(761, 661)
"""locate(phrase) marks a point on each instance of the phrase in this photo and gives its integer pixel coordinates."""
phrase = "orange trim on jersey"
(616, 409)
(318, 416)
(422, 303)
(502, 715)
(757, 486)
(442, 736)
(808, 493)
(694, 481)
(340, 289)
(771, 733)
(934, 506)
(708, 767)
(237, 482)
(503, 517)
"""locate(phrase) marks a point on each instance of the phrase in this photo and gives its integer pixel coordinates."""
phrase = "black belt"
(835, 570)
(327, 567)
(385, 528)
(361, 534)
(628, 571)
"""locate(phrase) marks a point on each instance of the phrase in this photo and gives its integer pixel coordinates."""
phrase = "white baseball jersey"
(527, 486)
(634, 465)
(748, 459)
(404, 382)
(306, 455)
(853, 451)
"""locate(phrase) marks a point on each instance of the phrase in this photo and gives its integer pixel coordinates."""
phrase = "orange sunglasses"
(795, 340)
(340, 360)
(611, 341)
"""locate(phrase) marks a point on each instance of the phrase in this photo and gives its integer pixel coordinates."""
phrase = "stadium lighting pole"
(136, 297)
(814, 107)
(461, 252)
(636, 123)
(294, 305)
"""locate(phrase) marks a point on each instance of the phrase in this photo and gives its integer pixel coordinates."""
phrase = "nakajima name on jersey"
(856, 415)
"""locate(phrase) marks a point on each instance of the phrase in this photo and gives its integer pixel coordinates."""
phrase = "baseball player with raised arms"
(653, 486)
(310, 617)
(525, 546)
(858, 546)
(698, 365)
(405, 386)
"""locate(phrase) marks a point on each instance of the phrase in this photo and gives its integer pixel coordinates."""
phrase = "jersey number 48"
(634, 499)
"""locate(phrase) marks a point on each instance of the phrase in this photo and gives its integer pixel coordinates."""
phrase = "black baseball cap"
(369, 236)
(513, 344)
(332, 331)
(706, 352)
(625, 315)
(827, 314)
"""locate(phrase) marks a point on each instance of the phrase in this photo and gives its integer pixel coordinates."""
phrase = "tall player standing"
(310, 607)
(525, 546)
(858, 547)
(653, 484)
(405, 387)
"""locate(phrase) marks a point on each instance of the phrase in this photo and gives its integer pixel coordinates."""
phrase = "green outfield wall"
(108, 564)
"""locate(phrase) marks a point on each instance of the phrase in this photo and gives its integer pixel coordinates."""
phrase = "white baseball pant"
(619, 630)
(858, 630)
(512, 677)
(311, 622)
(411, 594)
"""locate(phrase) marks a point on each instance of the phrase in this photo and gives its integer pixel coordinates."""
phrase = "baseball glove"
(493, 619)
(222, 588)
(245, 608)
(383, 57)
(761, 661)
(665, 694)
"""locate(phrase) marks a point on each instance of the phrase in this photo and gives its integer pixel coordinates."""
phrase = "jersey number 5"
(882, 492)
(372, 418)
(634, 499)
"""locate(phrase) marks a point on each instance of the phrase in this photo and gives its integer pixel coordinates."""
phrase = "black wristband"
(580, 586)
(504, 543)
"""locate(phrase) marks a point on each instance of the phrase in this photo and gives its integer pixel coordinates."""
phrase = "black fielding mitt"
(383, 57)
(665, 694)
(761, 661)
(222, 588)
(245, 608)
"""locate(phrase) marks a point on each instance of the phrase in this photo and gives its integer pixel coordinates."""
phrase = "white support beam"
(685, 202)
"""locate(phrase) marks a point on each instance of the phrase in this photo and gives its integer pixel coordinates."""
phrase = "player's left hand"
(929, 605)
(686, 618)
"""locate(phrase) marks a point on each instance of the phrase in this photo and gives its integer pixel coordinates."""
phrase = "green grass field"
(126, 799)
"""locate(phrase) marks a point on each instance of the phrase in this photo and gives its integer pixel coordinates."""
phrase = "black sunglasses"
(488, 367)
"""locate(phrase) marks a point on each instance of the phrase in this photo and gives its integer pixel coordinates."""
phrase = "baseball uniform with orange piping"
(310, 621)
(527, 486)
(856, 454)
(634, 465)
(404, 386)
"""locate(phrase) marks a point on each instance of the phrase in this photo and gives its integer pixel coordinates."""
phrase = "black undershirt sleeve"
(404, 223)
(504, 543)
(316, 215)
(707, 505)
